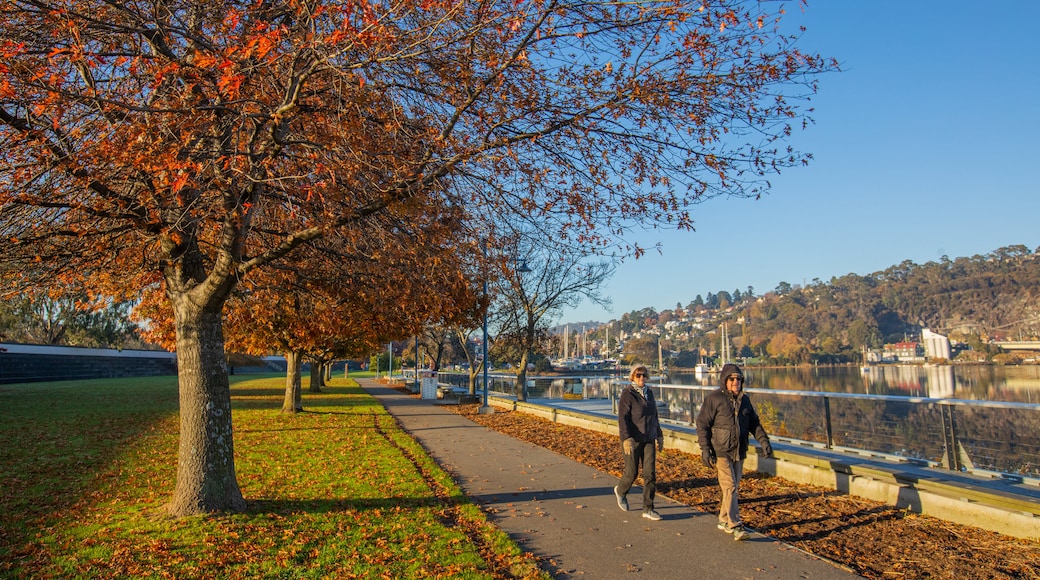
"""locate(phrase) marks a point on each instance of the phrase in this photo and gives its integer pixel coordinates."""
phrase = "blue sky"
(926, 144)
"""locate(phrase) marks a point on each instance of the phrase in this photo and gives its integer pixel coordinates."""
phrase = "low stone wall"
(967, 505)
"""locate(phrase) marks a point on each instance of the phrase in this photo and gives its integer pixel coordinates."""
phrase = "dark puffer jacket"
(725, 421)
(637, 416)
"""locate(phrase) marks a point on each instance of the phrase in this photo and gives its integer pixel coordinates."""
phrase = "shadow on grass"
(270, 393)
(332, 428)
(59, 441)
(309, 407)
(60, 437)
(335, 505)
(347, 397)
(279, 392)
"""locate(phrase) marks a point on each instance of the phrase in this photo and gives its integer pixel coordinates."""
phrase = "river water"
(1019, 384)
(1002, 439)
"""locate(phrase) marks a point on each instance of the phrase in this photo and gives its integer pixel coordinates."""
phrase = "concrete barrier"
(947, 496)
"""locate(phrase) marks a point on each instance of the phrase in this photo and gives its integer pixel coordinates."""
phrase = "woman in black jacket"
(723, 424)
(639, 430)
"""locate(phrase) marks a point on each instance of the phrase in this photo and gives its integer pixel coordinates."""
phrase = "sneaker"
(722, 526)
(622, 501)
(651, 515)
(739, 533)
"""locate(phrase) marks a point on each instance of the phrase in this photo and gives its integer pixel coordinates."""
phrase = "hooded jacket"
(725, 421)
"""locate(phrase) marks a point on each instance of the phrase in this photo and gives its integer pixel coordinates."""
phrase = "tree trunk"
(316, 376)
(521, 378)
(206, 480)
(293, 401)
(521, 374)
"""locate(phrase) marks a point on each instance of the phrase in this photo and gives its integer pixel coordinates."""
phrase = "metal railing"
(995, 438)
(962, 435)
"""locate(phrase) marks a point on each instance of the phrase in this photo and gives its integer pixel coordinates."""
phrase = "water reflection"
(1001, 439)
(977, 382)
(1020, 384)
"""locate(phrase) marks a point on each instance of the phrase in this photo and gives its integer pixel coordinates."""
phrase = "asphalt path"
(565, 513)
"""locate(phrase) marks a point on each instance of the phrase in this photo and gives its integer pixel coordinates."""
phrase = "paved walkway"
(565, 512)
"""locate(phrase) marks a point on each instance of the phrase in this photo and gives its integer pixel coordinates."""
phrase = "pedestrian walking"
(641, 439)
(723, 424)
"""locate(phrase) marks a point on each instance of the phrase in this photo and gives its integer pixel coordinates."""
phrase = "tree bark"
(293, 401)
(521, 378)
(317, 376)
(521, 374)
(206, 480)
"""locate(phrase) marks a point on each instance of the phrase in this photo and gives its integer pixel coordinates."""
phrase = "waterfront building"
(935, 345)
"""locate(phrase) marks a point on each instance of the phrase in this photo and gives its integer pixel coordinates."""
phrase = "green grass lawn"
(336, 492)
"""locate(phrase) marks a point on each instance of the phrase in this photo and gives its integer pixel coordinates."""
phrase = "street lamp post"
(415, 386)
(485, 409)
(521, 376)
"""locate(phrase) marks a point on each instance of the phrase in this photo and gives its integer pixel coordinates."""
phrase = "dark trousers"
(645, 453)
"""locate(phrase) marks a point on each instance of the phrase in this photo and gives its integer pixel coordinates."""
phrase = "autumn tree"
(642, 350)
(340, 304)
(539, 279)
(785, 345)
(435, 342)
(38, 317)
(463, 336)
(191, 144)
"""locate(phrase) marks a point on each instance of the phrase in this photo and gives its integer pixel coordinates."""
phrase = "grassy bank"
(336, 492)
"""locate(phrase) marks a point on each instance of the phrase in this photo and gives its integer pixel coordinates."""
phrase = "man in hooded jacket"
(723, 424)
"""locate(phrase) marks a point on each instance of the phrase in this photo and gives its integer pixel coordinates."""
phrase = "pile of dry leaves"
(873, 539)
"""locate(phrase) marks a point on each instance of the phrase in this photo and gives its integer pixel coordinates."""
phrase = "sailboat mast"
(566, 339)
(725, 343)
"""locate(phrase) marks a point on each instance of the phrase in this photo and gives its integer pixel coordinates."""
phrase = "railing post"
(827, 421)
(693, 414)
(951, 447)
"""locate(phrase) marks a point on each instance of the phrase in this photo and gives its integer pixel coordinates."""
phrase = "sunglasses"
(644, 375)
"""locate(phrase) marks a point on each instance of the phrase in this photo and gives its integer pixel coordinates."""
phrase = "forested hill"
(973, 299)
(992, 295)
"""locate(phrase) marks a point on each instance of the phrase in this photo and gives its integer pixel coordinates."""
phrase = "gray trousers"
(729, 482)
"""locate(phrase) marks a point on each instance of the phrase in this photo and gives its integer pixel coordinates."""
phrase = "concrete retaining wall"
(974, 507)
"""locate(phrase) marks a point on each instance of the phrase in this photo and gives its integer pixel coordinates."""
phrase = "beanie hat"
(727, 370)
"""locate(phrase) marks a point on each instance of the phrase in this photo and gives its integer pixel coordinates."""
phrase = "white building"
(935, 345)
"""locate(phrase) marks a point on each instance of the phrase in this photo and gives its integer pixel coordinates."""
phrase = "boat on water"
(567, 365)
(570, 365)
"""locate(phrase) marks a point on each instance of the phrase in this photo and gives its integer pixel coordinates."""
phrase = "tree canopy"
(184, 145)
